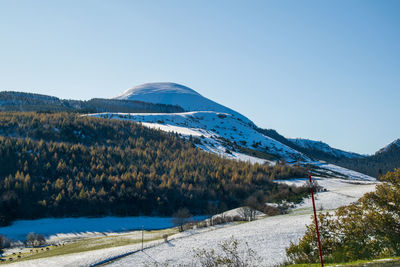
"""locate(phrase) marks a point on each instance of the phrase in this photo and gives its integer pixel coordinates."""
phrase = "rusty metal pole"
(316, 221)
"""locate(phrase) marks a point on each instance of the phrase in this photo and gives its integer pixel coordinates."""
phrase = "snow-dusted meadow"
(269, 237)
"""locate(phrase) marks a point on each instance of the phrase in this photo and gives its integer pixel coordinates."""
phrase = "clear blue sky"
(324, 70)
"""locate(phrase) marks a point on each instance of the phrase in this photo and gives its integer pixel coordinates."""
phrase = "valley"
(93, 173)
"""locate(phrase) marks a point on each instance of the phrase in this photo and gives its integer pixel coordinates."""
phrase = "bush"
(165, 237)
(231, 255)
(225, 219)
(272, 211)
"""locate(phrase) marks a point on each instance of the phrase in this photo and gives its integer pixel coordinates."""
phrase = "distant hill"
(321, 150)
(384, 160)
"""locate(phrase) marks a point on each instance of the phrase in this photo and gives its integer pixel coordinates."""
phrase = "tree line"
(20, 101)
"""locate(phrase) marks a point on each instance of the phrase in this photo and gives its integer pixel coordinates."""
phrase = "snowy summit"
(175, 94)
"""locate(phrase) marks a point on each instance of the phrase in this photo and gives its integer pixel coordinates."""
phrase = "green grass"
(89, 244)
(370, 263)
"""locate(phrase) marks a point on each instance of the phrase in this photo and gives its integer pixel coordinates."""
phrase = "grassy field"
(89, 244)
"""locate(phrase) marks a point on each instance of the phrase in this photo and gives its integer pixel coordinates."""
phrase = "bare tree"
(181, 217)
(4, 243)
(30, 239)
(247, 213)
(35, 240)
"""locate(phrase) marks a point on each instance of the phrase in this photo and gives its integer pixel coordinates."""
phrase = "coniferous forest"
(66, 164)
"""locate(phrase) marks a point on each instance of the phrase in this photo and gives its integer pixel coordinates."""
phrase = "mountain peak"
(157, 88)
(176, 94)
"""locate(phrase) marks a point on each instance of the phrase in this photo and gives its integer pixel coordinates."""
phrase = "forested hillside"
(65, 164)
(19, 101)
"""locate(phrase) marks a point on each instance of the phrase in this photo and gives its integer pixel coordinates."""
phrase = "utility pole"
(316, 220)
(142, 236)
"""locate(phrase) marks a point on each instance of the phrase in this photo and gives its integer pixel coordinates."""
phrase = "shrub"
(231, 255)
(165, 237)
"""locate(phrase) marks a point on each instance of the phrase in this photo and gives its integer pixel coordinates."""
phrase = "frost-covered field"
(339, 192)
(268, 237)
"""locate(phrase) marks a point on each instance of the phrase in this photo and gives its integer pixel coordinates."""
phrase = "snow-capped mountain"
(176, 108)
(221, 130)
(324, 148)
(216, 123)
(219, 133)
(176, 94)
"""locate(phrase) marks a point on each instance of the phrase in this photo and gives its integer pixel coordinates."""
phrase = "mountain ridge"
(257, 149)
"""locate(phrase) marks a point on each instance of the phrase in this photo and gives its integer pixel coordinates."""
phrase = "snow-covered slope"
(176, 94)
(323, 147)
(340, 172)
(220, 133)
